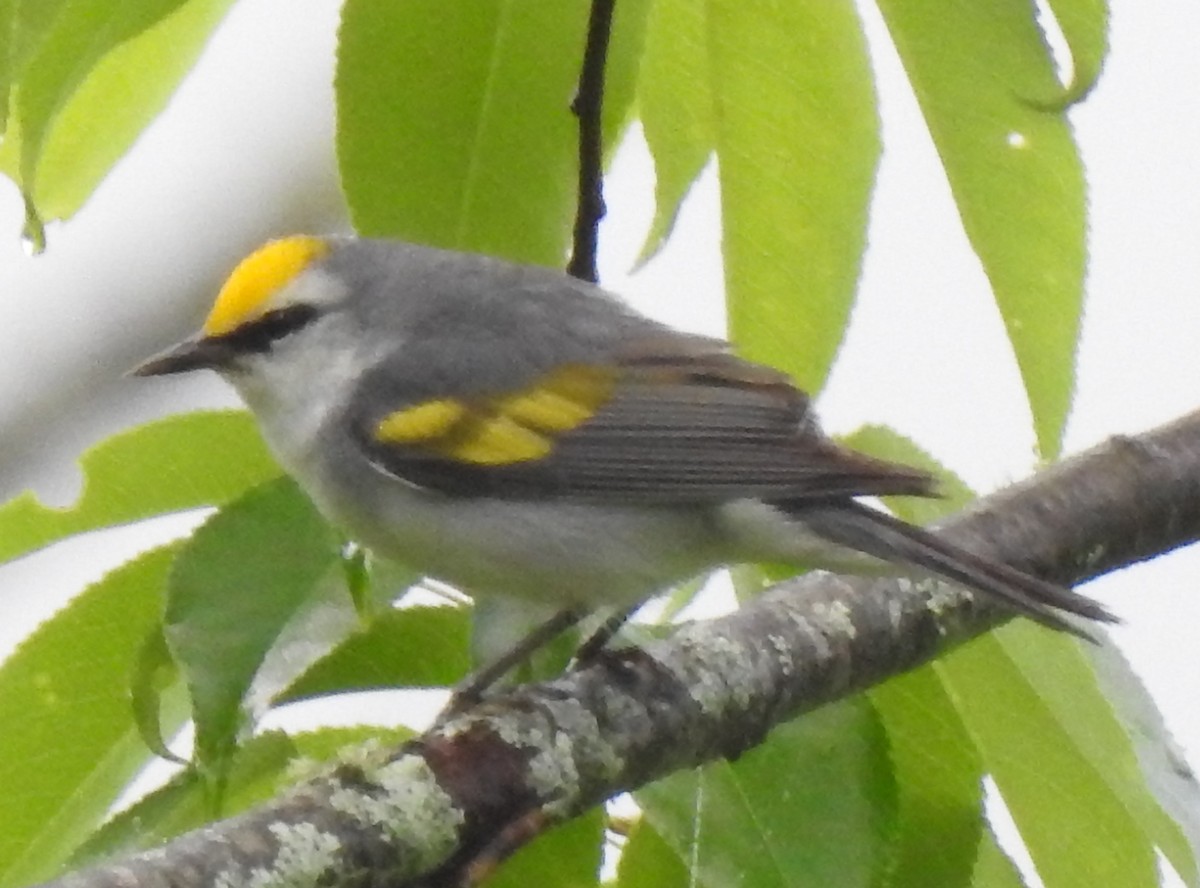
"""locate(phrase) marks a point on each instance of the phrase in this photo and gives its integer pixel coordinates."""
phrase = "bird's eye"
(260, 334)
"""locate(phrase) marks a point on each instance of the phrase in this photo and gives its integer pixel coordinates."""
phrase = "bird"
(519, 433)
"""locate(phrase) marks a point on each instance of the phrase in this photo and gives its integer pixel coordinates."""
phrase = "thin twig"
(587, 107)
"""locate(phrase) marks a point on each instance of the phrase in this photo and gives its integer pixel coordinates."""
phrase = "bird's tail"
(883, 536)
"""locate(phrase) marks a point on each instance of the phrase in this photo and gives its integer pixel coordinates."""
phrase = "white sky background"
(245, 151)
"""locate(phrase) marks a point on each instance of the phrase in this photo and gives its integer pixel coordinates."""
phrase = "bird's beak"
(197, 353)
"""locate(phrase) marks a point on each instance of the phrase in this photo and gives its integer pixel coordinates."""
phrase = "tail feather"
(886, 537)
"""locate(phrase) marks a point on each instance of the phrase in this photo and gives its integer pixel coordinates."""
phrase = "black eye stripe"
(261, 333)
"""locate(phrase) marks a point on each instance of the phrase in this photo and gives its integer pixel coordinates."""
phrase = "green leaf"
(182, 462)
(647, 861)
(786, 812)
(939, 783)
(243, 577)
(1060, 759)
(69, 744)
(408, 647)
(1176, 827)
(358, 581)
(85, 124)
(797, 135)
(885, 443)
(622, 68)
(983, 76)
(1084, 25)
(8, 27)
(993, 868)
(454, 122)
(30, 26)
(23, 27)
(568, 855)
(183, 802)
(58, 59)
(1050, 674)
(153, 672)
(681, 595)
(676, 109)
(265, 766)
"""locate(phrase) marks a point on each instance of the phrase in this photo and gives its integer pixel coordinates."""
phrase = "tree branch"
(587, 107)
(442, 809)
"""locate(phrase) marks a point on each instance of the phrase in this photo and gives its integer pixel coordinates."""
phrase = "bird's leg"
(598, 640)
(473, 688)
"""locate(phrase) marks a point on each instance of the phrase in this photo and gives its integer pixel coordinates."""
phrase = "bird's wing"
(664, 418)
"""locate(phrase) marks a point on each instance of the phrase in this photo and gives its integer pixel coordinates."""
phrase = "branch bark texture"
(442, 809)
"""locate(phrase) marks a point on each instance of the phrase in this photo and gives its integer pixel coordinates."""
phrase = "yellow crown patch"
(257, 277)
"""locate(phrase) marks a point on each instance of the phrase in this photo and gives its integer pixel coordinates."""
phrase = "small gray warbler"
(517, 432)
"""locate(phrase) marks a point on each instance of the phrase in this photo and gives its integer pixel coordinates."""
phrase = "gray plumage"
(694, 459)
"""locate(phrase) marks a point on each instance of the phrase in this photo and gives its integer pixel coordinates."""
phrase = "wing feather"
(675, 421)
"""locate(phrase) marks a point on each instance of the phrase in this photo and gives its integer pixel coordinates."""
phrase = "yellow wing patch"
(515, 427)
(546, 410)
(431, 419)
(494, 440)
(257, 277)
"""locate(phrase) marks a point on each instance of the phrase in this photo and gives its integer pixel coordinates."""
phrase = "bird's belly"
(558, 552)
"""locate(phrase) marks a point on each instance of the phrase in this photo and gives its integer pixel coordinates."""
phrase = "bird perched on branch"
(517, 432)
